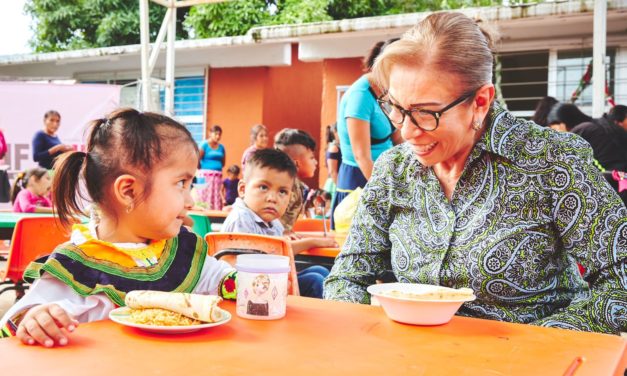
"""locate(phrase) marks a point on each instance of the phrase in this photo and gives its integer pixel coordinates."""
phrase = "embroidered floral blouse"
(528, 207)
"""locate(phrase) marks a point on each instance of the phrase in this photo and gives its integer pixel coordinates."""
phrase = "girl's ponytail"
(18, 185)
(65, 186)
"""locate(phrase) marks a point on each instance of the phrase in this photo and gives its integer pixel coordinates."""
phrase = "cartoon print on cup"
(258, 303)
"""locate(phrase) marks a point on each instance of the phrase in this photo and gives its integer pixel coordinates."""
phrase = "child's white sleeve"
(211, 276)
(48, 289)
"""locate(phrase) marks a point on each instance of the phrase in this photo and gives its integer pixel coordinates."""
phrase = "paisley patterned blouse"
(528, 207)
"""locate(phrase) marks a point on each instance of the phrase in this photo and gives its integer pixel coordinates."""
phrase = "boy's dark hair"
(234, 169)
(21, 180)
(215, 128)
(290, 136)
(125, 141)
(618, 113)
(270, 158)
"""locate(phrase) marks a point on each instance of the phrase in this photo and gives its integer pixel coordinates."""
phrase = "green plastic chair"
(202, 224)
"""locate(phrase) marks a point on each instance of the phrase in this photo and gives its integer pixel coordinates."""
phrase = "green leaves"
(226, 19)
(73, 24)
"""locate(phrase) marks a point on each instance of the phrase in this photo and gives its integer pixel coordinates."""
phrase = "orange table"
(322, 338)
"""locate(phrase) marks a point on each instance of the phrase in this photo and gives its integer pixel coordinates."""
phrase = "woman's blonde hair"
(448, 42)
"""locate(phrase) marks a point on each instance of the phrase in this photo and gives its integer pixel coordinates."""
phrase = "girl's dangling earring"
(129, 208)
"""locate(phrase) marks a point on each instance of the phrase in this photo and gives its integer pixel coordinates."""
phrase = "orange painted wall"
(278, 97)
(235, 101)
(292, 99)
(336, 72)
(301, 96)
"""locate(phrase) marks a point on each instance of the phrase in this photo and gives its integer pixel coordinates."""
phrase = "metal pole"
(598, 58)
(146, 86)
(169, 68)
(156, 47)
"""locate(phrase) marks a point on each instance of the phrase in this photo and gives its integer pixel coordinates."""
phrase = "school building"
(293, 76)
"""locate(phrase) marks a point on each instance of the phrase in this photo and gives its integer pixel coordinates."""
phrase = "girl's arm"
(23, 201)
(217, 278)
(304, 244)
(333, 164)
(359, 135)
(45, 293)
(43, 209)
(223, 156)
(223, 193)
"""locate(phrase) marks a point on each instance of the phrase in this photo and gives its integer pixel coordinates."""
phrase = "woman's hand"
(46, 325)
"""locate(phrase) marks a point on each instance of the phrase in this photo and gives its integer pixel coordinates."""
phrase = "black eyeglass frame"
(436, 114)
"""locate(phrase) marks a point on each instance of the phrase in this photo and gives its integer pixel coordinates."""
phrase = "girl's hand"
(46, 325)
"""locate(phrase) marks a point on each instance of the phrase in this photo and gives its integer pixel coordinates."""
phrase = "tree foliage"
(74, 24)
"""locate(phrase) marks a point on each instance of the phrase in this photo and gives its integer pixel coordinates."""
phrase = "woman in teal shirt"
(364, 130)
(478, 198)
(212, 157)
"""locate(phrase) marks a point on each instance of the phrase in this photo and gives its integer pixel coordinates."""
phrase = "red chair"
(33, 238)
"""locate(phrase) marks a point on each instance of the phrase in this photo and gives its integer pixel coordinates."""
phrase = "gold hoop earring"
(476, 125)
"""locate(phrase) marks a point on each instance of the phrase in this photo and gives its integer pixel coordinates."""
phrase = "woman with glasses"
(364, 130)
(478, 198)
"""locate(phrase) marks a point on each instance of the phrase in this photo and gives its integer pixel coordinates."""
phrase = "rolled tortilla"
(195, 306)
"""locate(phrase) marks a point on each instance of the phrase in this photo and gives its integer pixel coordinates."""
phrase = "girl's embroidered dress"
(89, 277)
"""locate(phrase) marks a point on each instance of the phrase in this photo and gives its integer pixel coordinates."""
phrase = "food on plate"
(435, 293)
(160, 317)
(173, 308)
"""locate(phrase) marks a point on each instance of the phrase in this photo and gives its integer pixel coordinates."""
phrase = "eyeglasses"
(424, 119)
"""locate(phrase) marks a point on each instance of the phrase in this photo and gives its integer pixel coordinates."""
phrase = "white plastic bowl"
(412, 310)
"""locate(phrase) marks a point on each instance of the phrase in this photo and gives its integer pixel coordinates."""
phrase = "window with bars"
(524, 80)
(189, 104)
(571, 67)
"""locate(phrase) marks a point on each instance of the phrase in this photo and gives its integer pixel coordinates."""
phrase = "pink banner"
(23, 106)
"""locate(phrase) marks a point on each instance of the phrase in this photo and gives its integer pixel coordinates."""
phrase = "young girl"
(258, 140)
(229, 185)
(30, 190)
(138, 169)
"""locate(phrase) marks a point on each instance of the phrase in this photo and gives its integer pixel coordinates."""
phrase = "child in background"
(229, 185)
(138, 169)
(30, 191)
(258, 140)
(318, 204)
(300, 147)
(265, 192)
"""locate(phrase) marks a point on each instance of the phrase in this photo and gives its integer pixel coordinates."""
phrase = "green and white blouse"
(528, 207)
